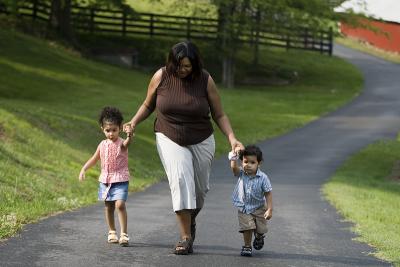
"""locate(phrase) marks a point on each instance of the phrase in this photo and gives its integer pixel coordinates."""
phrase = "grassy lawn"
(369, 195)
(369, 49)
(50, 98)
(199, 8)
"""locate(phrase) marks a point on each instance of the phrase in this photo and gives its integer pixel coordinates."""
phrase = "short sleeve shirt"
(248, 194)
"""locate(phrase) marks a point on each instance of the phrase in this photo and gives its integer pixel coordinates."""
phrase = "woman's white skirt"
(188, 170)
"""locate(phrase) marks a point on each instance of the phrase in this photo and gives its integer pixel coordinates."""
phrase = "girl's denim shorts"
(117, 191)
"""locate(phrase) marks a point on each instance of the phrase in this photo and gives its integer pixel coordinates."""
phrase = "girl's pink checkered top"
(114, 162)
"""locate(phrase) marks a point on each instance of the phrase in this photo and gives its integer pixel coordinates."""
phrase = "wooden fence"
(120, 22)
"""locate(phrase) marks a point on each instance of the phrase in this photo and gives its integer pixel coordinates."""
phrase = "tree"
(237, 16)
(60, 19)
(61, 13)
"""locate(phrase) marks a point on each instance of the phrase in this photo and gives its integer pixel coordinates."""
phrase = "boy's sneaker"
(258, 242)
(246, 251)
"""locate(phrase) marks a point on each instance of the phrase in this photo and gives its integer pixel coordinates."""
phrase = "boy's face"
(111, 131)
(250, 164)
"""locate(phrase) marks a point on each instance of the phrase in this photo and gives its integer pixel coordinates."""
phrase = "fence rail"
(120, 22)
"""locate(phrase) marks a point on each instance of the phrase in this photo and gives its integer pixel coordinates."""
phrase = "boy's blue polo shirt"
(248, 194)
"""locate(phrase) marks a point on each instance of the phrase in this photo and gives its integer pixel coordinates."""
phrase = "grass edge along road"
(369, 196)
(369, 49)
(49, 102)
(360, 193)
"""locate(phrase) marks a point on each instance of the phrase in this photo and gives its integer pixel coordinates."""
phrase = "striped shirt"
(114, 162)
(248, 194)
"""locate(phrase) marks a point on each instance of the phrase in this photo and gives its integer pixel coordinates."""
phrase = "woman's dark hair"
(251, 150)
(180, 51)
(110, 115)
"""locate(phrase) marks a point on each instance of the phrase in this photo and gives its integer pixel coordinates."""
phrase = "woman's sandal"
(258, 242)
(112, 237)
(246, 251)
(124, 239)
(183, 247)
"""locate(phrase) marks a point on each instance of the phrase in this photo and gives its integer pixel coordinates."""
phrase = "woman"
(183, 95)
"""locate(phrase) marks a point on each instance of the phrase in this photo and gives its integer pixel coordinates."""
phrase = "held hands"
(232, 156)
(128, 129)
(237, 146)
(268, 214)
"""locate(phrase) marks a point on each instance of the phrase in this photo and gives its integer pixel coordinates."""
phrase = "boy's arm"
(90, 163)
(235, 168)
(268, 203)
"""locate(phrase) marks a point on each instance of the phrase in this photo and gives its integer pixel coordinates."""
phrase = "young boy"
(252, 196)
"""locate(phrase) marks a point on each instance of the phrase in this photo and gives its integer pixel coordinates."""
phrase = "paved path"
(305, 229)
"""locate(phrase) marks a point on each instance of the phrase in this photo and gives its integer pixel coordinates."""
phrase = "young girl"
(114, 177)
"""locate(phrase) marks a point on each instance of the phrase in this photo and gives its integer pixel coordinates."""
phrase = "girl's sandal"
(124, 239)
(183, 247)
(112, 237)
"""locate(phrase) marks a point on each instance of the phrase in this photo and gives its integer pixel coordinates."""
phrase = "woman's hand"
(82, 175)
(237, 146)
(128, 128)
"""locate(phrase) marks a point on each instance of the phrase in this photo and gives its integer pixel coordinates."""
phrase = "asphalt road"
(304, 231)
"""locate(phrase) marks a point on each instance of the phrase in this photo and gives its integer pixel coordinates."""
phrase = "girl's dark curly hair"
(251, 150)
(110, 115)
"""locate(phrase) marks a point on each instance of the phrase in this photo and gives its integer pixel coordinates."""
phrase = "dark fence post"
(306, 38)
(287, 41)
(188, 28)
(321, 42)
(34, 10)
(91, 25)
(151, 25)
(124, 22)
(257, 38)
(330, 41)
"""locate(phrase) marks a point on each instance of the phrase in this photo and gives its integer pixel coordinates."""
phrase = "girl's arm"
(149, 103)
(127, 141)
(90, 163)
(268, 202)
(220, 117)
(129, 136)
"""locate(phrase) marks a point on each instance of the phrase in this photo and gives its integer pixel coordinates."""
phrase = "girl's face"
(185, 68)
(250, 165)
(111, 131)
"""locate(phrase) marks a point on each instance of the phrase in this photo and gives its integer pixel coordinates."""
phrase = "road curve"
(304, 231)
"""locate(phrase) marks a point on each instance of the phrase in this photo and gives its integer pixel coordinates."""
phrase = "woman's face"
(185, 68)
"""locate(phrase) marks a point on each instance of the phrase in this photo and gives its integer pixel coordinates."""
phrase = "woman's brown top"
(183, 110)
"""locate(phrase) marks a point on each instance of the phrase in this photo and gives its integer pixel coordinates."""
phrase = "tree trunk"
(224, 42)
(228, 72)
(61, 18)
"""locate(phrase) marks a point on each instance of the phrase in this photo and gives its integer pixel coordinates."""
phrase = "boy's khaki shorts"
(253, 221)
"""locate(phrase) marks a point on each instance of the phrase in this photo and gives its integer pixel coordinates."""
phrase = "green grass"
(369, 49)
(198, 8)
(368, 195)
(50, 98)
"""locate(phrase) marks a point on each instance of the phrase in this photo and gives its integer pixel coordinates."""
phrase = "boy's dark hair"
(110, 115)
(180, 51)
(251, 150)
